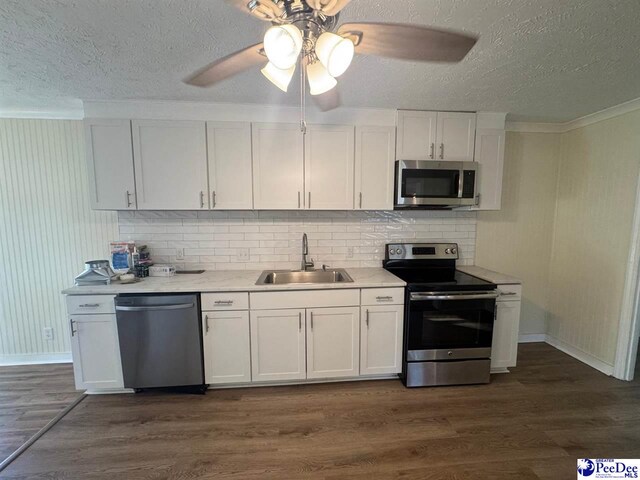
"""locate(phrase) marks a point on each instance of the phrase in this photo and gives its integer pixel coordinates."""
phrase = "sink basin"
(287, 277)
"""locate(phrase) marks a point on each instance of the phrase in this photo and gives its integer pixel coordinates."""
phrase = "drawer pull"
(506, 294)
(385, 298)
(89, 305)
(223, 302)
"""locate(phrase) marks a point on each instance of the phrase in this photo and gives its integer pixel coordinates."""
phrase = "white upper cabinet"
(374, 168)
(456, 134)
(328, 167)
(489, 153)
(333, 342)
(229, 152)
(278, 176)
(170, 165)
(416, 135)
(110, 164)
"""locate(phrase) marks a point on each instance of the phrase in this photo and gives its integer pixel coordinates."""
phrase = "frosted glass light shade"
(319, 79)
(335, 53)
(279, 77)
(282, 44)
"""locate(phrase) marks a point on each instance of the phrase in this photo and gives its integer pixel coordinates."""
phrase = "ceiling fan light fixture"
(319, 79)
(335, 53)
(282, 45)
(281, 78)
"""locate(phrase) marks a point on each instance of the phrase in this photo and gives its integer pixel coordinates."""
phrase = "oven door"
(450, 325)
(420, 182)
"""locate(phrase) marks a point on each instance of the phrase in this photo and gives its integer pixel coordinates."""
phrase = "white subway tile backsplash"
(211, 239)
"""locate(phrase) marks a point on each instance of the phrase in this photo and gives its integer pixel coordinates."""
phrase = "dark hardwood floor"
(531, 424)
(30, 396)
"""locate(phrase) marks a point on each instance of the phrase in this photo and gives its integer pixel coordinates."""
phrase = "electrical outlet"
(242, 254)
(47, 333)
(350, 252)
(180, 253)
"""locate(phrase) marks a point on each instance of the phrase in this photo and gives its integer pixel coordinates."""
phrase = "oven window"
(449, 324)
(424, 183)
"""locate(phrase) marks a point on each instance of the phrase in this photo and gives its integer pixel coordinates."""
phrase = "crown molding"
(581, 122)
(44, 113)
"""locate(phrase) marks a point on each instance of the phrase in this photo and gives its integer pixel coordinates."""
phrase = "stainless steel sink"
(286, 277)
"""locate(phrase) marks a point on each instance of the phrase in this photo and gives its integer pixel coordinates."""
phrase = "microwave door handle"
(460, 183)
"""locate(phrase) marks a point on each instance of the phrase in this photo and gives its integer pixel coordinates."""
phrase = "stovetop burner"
(431, 267)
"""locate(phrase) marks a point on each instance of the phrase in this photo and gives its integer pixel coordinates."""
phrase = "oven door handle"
(436, 296)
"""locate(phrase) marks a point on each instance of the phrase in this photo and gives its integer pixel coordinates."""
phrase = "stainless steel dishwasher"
(160, 340)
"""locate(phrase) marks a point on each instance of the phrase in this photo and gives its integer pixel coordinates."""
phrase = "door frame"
(629, 324)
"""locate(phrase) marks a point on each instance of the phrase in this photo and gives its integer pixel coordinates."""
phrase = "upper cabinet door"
(456, 136)
(374, 168)
(416, 135)
(110, 164)
(328, 167)
(170, 164)
(229, 151)
(278, 177)
(490, 157)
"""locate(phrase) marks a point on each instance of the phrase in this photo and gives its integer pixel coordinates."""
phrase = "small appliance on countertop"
(96, 272)
(449, 316)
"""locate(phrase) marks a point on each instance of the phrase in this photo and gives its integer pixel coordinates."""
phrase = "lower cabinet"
(227, 355)
(504, 348)
(96, 352)
(278, 345)
(333, 342)
(381, 330)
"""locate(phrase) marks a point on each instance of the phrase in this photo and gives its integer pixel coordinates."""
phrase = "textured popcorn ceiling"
(540, 60)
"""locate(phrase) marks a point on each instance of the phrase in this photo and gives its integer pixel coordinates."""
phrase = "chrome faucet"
(306, 265)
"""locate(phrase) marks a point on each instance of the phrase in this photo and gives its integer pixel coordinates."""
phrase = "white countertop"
(234, 281)
(489, 275)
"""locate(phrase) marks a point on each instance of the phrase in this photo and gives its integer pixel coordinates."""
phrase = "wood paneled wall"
(47, 231)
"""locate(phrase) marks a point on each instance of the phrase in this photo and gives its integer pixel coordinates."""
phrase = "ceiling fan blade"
(227, 66)
(408, 42)
(328, 100)
(334, 9)
(266, 10)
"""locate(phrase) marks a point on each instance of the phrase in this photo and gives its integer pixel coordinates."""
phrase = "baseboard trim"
(532, 338)
(578, 354)
(34, 359)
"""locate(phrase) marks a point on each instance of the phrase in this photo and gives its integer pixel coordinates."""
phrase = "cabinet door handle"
(213, 199)
(299, 321)
(309, 206)
(201, 199)
(128, 198)
(73, 332)
(360, 199)
(311, 314)
(432, 153)
(206, 323)
(298, 199)
(367, 317)
(442, 151)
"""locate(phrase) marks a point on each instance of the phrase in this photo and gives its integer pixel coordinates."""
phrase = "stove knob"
(398, 251)
(447, 251)
(454, 251)
(449, 353)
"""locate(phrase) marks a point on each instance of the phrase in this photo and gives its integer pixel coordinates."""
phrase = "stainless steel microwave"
(432, 184)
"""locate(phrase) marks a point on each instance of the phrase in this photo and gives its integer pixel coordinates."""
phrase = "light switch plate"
(179, 253)
(47, 333)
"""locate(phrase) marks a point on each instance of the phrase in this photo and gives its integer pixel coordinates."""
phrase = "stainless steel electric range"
(449, 316)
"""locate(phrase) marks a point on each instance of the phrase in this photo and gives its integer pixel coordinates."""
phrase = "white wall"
(517, 239)
(47, 231)
(211, 240)
(596, 197)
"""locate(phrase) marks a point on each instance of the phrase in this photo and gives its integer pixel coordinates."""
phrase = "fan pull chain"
(303, 85)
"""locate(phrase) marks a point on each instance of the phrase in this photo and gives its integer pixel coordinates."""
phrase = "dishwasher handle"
(177, 306)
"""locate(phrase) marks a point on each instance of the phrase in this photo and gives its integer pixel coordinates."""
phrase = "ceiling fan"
(304, 32)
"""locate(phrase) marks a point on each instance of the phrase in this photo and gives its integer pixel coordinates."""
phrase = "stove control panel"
(421, 251)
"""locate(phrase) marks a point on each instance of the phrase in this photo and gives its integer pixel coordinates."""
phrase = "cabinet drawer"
(90, 304)
(382, 296)
(225, 301)
(509, 293)
(305, 299)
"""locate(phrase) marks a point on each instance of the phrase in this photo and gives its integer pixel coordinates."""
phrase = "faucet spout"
(306, 265)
